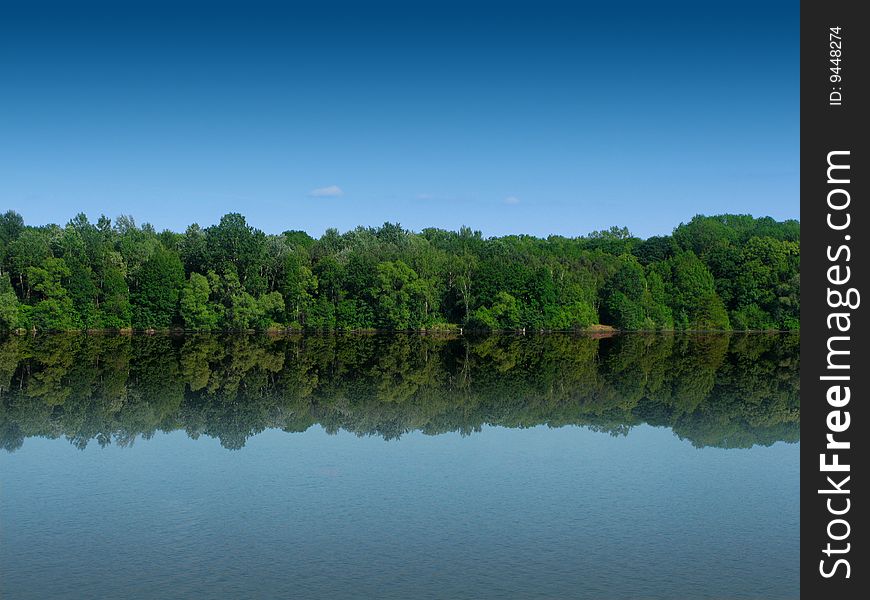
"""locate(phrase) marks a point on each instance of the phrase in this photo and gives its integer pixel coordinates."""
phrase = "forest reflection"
(724, 390)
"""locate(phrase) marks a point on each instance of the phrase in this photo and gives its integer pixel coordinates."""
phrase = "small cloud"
(512, 200)
(425, 197)
(330, 191)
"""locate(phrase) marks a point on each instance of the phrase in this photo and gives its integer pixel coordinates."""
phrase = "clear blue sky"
(537, 118)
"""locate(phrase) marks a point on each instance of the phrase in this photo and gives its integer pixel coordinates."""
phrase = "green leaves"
(713, 273)
(196, 309)
(155, 299)
(693, 298)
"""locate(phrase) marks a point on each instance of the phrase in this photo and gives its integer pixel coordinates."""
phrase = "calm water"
(399, 467)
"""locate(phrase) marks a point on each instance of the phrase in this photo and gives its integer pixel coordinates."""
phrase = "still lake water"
(399, 467)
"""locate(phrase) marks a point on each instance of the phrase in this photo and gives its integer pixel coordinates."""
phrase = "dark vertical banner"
(835, 370)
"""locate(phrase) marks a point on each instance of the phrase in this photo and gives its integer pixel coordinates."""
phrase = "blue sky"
(535, 117)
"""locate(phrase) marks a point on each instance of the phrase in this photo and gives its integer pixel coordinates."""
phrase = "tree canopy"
(713, 273)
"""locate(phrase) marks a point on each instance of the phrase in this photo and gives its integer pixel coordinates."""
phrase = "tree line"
(726, 390)
(713, 273)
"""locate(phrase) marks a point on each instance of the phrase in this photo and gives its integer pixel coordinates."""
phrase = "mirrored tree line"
(714, 273)
(724, 390)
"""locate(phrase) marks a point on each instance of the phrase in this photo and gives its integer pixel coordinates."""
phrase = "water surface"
(399, 466)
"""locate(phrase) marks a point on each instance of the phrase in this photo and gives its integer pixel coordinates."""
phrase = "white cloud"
(330, 191)
(511, 200)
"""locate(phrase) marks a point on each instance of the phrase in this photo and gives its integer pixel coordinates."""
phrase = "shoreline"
(601, 331)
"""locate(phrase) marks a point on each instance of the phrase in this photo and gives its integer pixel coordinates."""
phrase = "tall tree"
(155, 299)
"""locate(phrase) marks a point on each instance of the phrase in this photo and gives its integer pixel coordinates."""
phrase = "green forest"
(725, 272)
(728, 390)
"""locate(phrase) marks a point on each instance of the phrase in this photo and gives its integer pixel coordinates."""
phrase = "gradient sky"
(534, 117)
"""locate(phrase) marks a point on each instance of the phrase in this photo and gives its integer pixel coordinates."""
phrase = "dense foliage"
(714, 273)
(728, 390)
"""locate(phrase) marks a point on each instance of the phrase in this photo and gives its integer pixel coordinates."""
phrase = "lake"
(399, 466)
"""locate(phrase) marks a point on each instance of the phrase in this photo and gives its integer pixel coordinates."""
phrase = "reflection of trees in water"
(717, 390)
